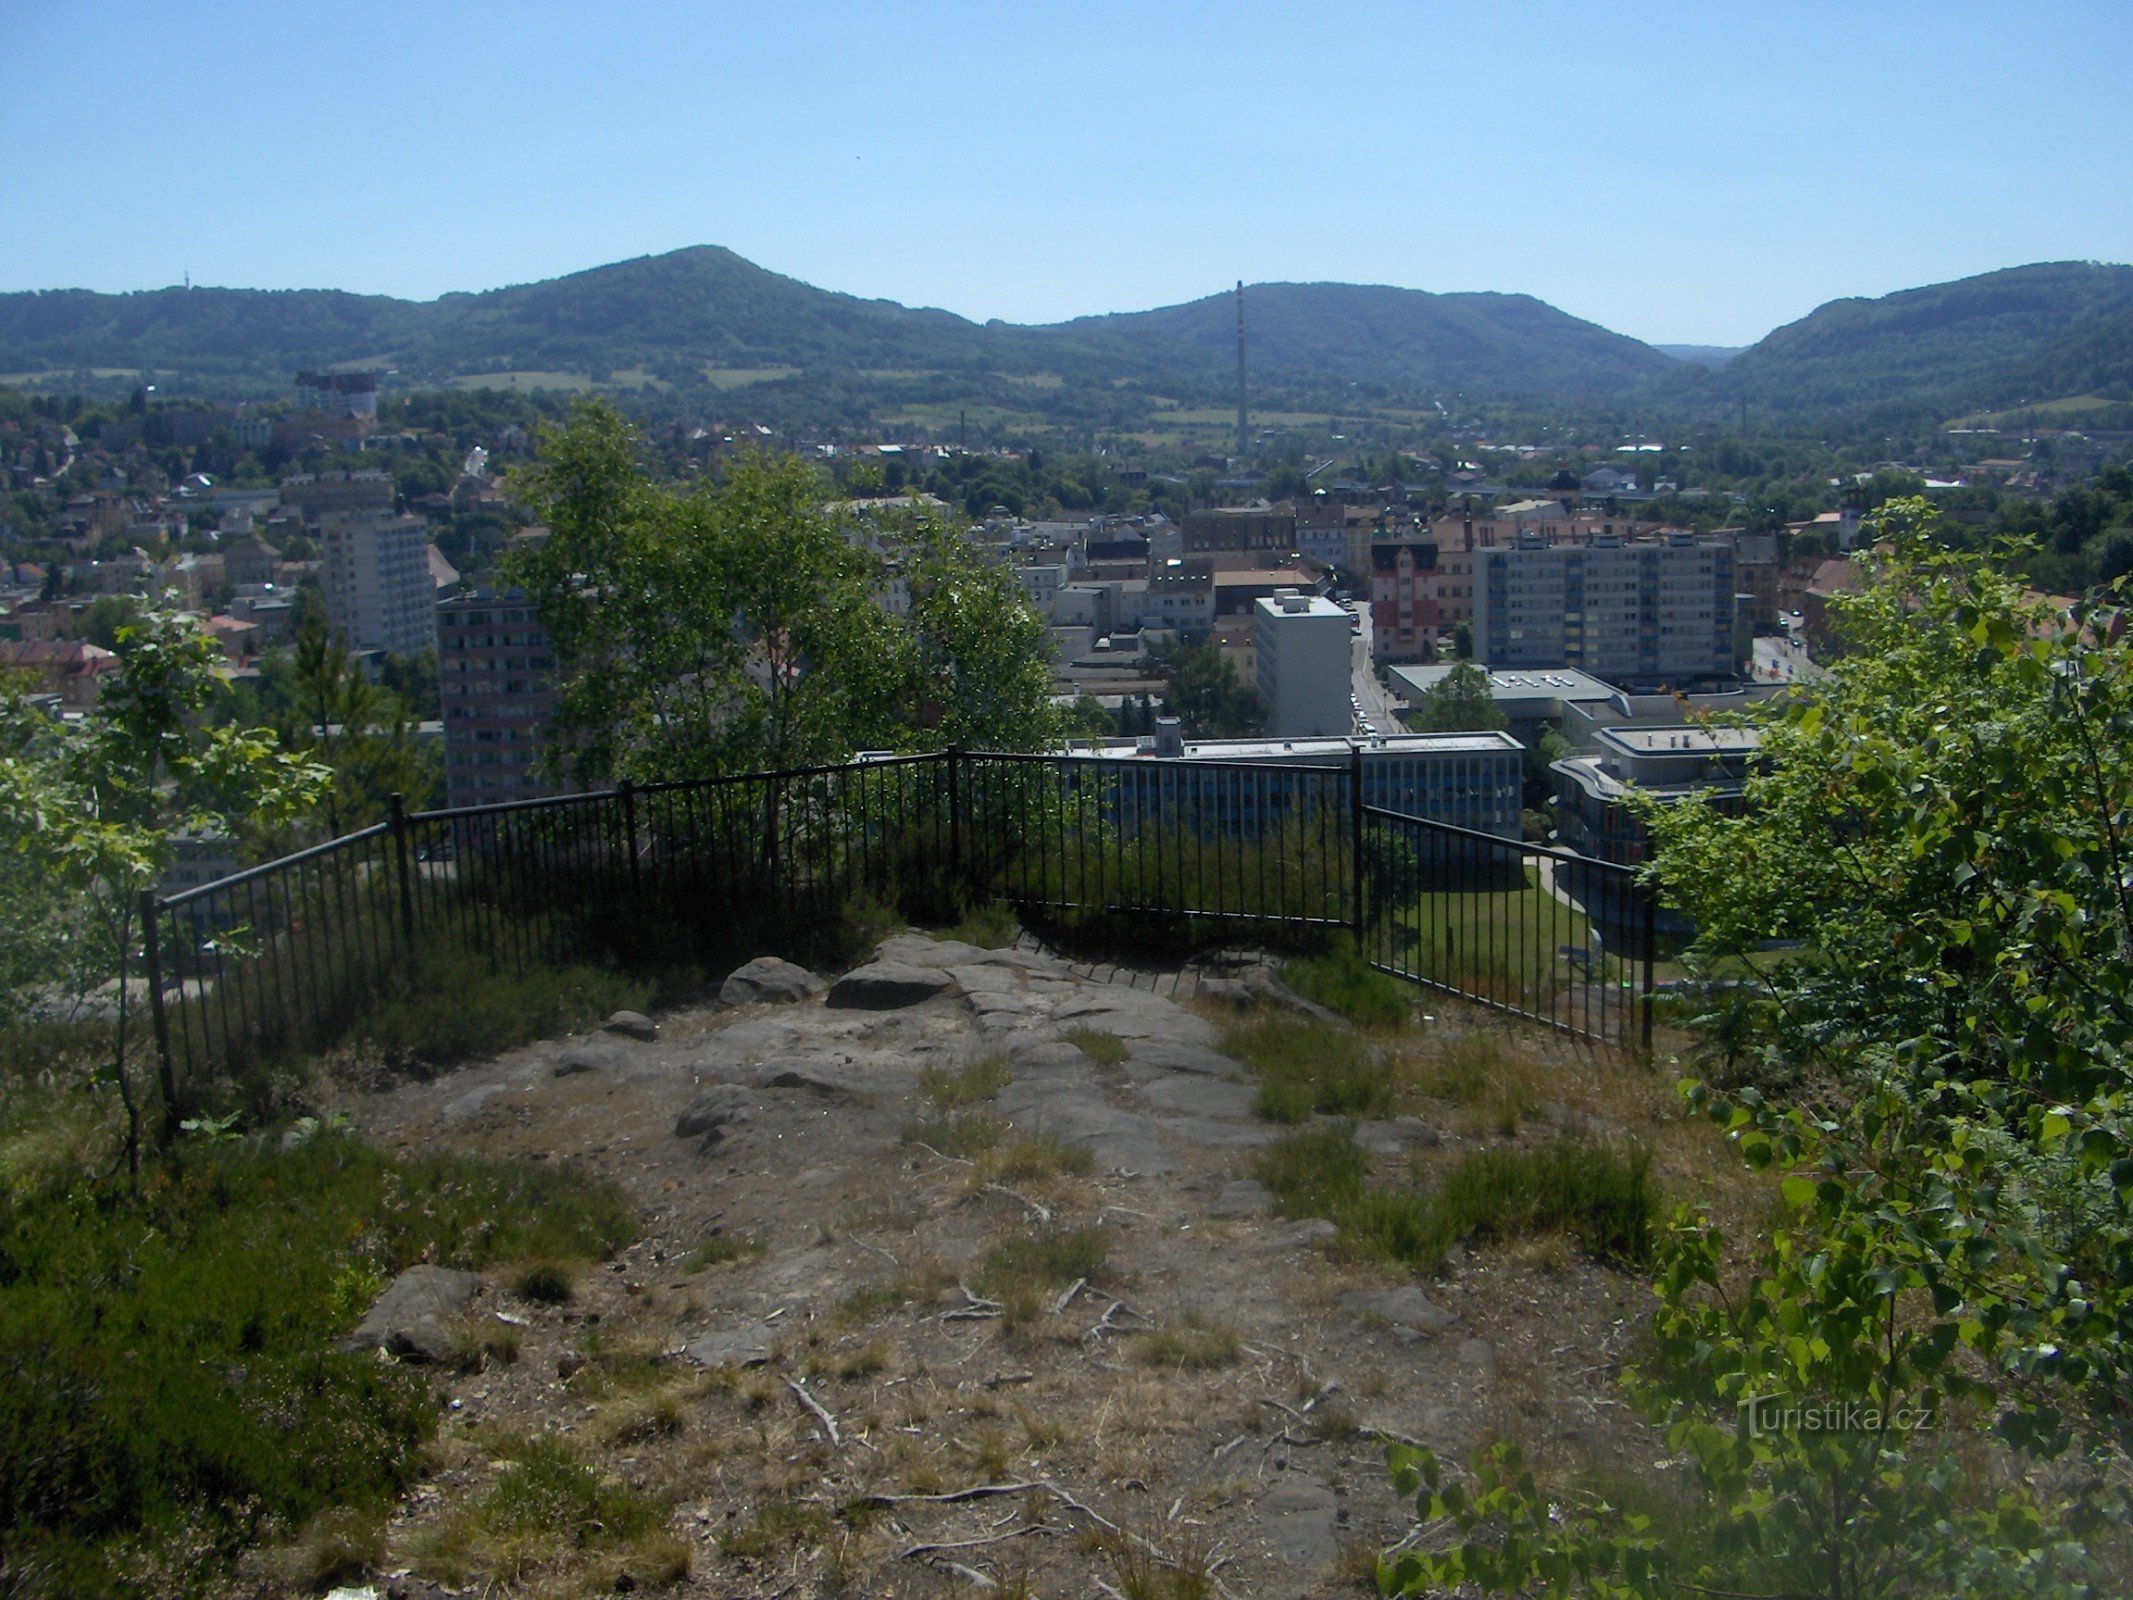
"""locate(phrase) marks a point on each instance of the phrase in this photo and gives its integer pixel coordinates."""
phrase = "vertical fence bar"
(407, 890)
(153, 955)
(1355, 841)
(1650, 898)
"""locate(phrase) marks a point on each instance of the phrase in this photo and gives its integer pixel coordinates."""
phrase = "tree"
(1463, 641)
(1458, 702)
(1930, 893)
(740, 625)
(91, 809)
(358, 731)
(1201, 690)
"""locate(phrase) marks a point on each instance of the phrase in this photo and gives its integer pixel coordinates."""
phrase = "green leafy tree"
(1458, 702)
(741, 625)
(357, 730)
(91, 809)
(1929, 893)
(1201, 690)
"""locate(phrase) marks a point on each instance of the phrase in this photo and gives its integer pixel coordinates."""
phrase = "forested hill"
(704, 317)
(2027, 333)
(1492, 344)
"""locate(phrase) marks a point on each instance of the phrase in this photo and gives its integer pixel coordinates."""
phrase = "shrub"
(1105, 1049)
(1341, 980)
(1306, 1067)
(543, 1282)
(1598, 1195)
(460, 1006)
(1043, 1256)
(168, 1376)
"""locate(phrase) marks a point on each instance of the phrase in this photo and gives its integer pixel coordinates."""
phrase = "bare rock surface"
(855, 1260)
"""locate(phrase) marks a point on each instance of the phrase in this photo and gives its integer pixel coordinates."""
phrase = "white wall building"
(379, 592)
(1635, 612)
(1305, 646)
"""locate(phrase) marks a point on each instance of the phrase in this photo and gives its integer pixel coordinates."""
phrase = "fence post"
(1355, 840)
(152, 953)
(407, 890)
(1651, 940)
(956, 874)
(626, 794)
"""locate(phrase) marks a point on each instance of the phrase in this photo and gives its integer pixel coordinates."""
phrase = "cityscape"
(802, 806)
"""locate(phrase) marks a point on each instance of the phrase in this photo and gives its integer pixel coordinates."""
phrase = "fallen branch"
(1066, 1299)
(1042, 1213)
(918, 1550)
(814, 1405)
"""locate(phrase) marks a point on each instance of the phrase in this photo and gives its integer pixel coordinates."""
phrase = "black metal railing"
(283, 960)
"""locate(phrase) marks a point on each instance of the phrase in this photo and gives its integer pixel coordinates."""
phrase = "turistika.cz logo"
(1769, 1414)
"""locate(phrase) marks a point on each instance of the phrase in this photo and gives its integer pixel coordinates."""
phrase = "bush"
(1306, 1067)
(1341, 980)
(167, 1372)
(460, 1006)
(1597, 1195)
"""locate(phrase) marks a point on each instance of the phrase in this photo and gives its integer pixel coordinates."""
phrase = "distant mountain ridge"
(2002, 337)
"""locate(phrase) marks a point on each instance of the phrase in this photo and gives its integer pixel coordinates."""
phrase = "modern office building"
(379, 592)
(1642, 612)
(1667, 763)
(496, 686)
(1471, 780)
(1306, 650)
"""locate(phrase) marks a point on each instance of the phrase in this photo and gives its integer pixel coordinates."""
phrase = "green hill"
(2019, 334)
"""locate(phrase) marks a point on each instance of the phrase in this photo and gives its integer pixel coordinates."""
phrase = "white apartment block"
(1306, 664)
(1643, 612)
(379, 593)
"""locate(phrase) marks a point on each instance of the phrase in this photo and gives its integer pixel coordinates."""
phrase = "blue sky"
(1682, 173)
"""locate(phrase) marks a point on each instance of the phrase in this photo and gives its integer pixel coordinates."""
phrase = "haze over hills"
(706, 317)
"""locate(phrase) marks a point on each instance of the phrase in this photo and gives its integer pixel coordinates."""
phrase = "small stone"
(1308, 1231)
(569, 1364)
(1243, 1198)
(410, 1319)
(1406, 1310)
(768, 978)
(715, 1107)
(632, 1025)
(594, 1057)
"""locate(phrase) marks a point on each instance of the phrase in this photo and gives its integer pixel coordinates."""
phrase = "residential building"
(1642, 612)
(379, 591)
(314, 496)
(73, 669)
(1306, 664)
(1403, 599)
(1180, 596)
(338, 394)
(1235, 529)
(496, 687)
(1756, 574)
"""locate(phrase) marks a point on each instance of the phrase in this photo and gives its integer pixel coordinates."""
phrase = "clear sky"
(1699, 172)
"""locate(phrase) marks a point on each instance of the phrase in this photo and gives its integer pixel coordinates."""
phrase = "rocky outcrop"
(632, 1025)
(888, 985)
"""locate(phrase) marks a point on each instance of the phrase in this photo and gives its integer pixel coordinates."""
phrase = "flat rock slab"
(412, 1318)
(1397, 1136)
(1406, 1310)
(732, 1347)
(887, 986)
(1121, 1141)
(598, 1056)
(632, 1025)
(1188, 1094)
(1244, 1197)
(770, 979)
(1298, 1518)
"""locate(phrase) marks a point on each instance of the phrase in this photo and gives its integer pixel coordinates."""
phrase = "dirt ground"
(798, 1352)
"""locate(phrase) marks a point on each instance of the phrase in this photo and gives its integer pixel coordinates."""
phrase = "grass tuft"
(1341, 980)
(1043, 1257)
(722, 1249)
(1305, 1067)
(952, 1089)
(1105, 1049)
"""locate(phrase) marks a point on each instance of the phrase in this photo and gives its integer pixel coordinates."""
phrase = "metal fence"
(285, 959)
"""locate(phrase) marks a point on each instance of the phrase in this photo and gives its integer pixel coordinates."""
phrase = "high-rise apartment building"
(496, 687)
(379, 592)
(1633, 612)
(1306, 648)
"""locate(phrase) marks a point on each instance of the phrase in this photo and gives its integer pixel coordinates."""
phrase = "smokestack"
(1243, 426)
